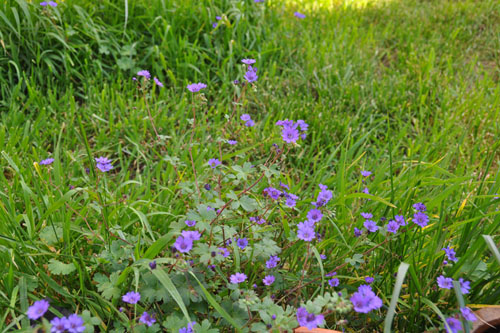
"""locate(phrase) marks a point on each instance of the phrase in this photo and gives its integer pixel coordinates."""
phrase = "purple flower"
(450, 253)
(74, 324)
(468, 314)
(309, 320)
(213, 162)
(188, 329)
(314, 215)
(367, 215)
(38, 309)
(250, 123)
(214, 25)
(420, 219)
(258, 220)
(47, 161)
(400, 219)
(242, 243)
(357, 232)
(365, 300)
(131, 297)
(103, 164)
(365, 173)
(370, 225)
(245, 117)
(454, 324)
(464, 286)
(303, 125)
(331, 274)
(248, 61)
(52, 3)
(158, 82)
(58, 325)
(420, 207)
(285, 186)
(147, 319)
(268, 280)
(369, 279)
(392, 226)
(43, 3)
(272, 262)
(272, 192)
(195, 87)
(218, 18)
(324, 196)
(144, 73)
(305, 232)
(365, 190)
(334, 282)
(299, 15)
(322, 256)
(190, 223)
(232, 142)
(183, 244)
(291, 200)
(251, 75)
(224, 252)
(152, 264)
(444, 282)
(192, 235)
(237, 278)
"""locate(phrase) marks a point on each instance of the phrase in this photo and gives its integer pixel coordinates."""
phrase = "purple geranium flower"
(420, 207)
(272, 192)
(251, 75)
(420, 219)
(314, 215)
(192, 235)
(369, 279)
(43, 3)
(224, 252)
(103, 164)
(392, 226)
(245, 117)
(147, 319)
(299, 15)
(305, 232)
(232, 142)
(131, 297)
(189, 328)
(400, 219)
(190, 223)
(214, 162)
(322, 256)
(38, 309)
(450, 253)
(365, 173)
(242, 243)
(47, 161)
(365, 300)
(370, 225)
(454, 324)
(74, 324)
(195, 87)
(183, 244)
(237, 278)
(357, 232)
(214, 25)
(464, 286)
(248, 61)
(158, 82)
(272, 262)
(324, 196)
(144, 73)
(444, 282)
(268, 280)
(58, 325)
(367, 215)
(218, 18)
(334, 282)
(468, 314)
(309, 320)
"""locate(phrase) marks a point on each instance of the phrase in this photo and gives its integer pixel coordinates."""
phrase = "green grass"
(407, 89)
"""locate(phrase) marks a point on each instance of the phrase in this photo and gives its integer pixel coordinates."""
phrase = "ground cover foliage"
(355, 108)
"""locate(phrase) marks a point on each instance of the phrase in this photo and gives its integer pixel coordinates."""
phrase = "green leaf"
(248, 204)
(492, 246)
(57, 267)
(167, 283)
(403, 269)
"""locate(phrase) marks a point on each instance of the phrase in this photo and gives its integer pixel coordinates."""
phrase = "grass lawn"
(407, 90)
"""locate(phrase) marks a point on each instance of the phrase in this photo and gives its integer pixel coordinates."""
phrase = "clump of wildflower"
(272, 192)
(237, 278)
(444, 282)
(131, 297)
(195, 87)
(392, 226)
(314, 215)
(74, 324)
(370, 225)
(47, 161)
(365, 300)
(366, 173)
(38, 309)
(268, 280)
(272, 262)
(257, 219)
(58, 325)
(367, 216)
(192, 235)
(214, 162)
(242, 243)
(305, 231)
(299, 15)
(247, 119)
(147, 319)
(369, 279)
(468, 314)
(454, 324)
(420, 219)
(189, 328)
(400, 220)
(251, 74)
(290, 130)
(420, 207)
(103, 164)
(291, 199)
(334, 282)
(309, 320)
(450, 253)
(183, 244)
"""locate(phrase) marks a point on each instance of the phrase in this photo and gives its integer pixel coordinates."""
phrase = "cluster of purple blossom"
(133, 297)
(365, 300)
(251, 73)
(257, 219)
(275, 194)
(420, 218)
(189, 328)
(195, 87)
(184, 242)
(47, 161)
(309, 320)
(447, 283)
(103, 164)
(72, 324)
(247, 119)
(48, 3)
(218, 18)
(290, 130)
(146, 75)
(455, 324)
